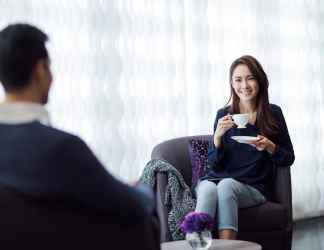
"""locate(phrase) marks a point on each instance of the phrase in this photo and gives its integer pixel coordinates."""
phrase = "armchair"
(34, 223)
(269, 224)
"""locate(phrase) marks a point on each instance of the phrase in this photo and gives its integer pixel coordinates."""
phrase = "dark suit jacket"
(45, 162)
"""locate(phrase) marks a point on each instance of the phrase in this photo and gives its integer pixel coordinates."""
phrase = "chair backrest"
(33, 223)
(176, 152)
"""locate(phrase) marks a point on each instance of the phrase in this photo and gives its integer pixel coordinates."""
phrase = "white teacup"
(241, 120)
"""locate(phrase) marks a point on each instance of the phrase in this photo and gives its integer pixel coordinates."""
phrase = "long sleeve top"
(244, 162)
(42, 161)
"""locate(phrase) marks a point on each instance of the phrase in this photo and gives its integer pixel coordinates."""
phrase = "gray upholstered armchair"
(269, 224)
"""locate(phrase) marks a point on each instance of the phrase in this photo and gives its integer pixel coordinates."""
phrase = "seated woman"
(240, 175)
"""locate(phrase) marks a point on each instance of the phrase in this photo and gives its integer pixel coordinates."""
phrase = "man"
(39, 160)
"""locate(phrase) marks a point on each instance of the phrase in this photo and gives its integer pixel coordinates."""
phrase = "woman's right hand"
(223, 124)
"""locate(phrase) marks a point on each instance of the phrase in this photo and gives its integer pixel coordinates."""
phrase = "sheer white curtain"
(131, 73)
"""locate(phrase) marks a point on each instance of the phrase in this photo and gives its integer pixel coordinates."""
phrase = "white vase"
(199, 240)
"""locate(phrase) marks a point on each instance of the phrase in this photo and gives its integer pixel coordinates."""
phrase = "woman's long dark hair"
(265, 120)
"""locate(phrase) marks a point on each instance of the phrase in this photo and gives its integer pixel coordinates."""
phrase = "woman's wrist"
(271, 148)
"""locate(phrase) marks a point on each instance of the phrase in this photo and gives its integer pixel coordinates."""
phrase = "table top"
(216, 245)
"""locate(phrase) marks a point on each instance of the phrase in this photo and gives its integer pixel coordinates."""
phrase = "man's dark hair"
(21, 47)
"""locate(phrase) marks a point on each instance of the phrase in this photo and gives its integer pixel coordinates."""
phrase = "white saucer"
(245, 139)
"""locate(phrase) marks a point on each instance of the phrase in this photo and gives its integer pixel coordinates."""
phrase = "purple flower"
(196, 222)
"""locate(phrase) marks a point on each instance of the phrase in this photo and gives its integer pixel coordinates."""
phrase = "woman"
(240, 175)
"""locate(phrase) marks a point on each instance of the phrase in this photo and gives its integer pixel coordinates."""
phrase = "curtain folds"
(132, 73)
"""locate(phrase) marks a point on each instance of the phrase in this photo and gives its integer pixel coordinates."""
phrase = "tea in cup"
(241, 120)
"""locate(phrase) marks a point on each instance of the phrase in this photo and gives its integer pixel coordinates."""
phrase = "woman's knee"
(207, 188)
(227, 188)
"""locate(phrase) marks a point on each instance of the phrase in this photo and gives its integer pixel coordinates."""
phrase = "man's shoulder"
(56, 134)
(52, 130)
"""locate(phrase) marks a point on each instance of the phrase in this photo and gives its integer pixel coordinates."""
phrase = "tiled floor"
(309, 234)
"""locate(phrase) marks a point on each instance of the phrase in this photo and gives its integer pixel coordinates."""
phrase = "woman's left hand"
(263, 143)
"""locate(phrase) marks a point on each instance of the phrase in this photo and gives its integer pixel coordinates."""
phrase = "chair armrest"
(282, 190)
(161, 183)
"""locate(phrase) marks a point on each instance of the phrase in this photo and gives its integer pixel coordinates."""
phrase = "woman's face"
(244, 83)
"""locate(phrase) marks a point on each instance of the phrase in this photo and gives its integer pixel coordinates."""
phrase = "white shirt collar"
(23, 112)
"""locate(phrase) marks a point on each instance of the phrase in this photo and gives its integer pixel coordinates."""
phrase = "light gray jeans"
(224, 199)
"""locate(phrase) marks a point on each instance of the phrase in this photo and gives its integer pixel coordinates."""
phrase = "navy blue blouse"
(245, 163)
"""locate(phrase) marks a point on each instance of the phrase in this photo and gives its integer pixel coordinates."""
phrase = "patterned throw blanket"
(178, 197)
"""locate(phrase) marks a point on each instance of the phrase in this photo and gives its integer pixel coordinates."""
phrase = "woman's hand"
(223, 124)
(263, 143)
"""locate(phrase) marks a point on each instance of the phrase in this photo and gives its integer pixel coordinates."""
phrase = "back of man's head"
(21, 47)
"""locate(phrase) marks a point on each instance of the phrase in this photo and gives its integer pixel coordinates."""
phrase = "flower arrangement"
(197, 222)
